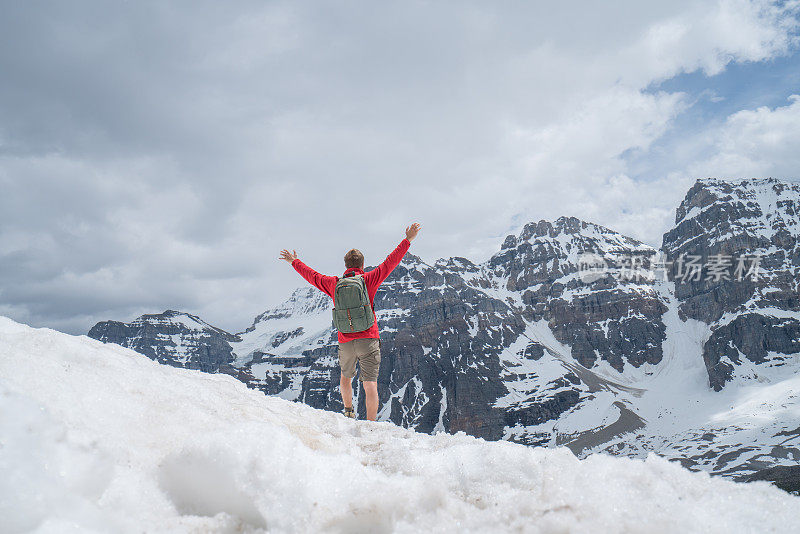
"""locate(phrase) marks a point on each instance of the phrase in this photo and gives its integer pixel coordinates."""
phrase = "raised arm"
(326, 284)
(379, 274)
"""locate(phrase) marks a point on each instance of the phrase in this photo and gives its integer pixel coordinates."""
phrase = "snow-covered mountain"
(97, 438)
(174, 338)
(754, 322)
(629, 358)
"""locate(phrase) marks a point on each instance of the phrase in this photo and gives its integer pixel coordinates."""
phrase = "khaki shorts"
(367, 351)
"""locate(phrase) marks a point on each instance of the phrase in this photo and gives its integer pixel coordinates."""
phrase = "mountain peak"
(567, 226)
(303, 301)
(188, 320)
(758, 195)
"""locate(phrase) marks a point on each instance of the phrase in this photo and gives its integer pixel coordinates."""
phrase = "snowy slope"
(667, 408)
(273, 353)
(744, 428)
(303, 320)
(99, 438)
(754, 320)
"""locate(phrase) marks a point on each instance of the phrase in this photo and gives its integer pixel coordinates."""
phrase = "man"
(362, 346)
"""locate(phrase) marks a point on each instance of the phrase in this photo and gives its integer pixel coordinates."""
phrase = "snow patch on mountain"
(301, 321)
(738, 430)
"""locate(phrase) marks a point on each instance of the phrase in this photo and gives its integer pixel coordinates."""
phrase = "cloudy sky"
(158, 155)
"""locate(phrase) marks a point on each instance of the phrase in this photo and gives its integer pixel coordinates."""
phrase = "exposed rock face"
(786, 477)
(173, 338)
(753, 315)
(615, 318)
(529, 347)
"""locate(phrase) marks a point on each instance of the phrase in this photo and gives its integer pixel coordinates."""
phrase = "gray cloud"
(158, 155)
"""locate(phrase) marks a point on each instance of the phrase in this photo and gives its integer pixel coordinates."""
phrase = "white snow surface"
(307, 313)
(98, 438)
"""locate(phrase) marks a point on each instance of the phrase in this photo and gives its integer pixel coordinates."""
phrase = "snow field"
(97, 438)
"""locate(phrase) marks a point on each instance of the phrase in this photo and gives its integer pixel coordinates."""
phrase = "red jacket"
(373, 279)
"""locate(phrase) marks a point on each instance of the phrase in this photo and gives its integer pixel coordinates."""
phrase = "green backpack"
(352, 311)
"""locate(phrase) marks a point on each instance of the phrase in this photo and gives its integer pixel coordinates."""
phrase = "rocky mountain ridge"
(627, 357)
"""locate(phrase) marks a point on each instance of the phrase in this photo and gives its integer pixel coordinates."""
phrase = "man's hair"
(354, 258)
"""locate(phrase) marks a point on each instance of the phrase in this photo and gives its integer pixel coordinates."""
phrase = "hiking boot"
(349, 412)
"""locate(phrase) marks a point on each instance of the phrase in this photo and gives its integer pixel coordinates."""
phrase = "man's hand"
(412, 231)
(288, 256)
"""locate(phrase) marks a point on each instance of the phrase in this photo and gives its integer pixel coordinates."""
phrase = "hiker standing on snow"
(354, 316)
